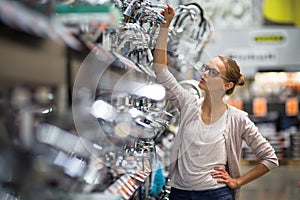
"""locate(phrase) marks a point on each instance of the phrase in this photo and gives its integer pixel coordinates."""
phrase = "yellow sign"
(269, 38)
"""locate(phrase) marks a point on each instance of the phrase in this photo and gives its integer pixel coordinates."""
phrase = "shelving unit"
(280, 130)
(67, 48)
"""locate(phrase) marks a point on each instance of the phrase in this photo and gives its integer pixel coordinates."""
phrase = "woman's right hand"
(168, 13)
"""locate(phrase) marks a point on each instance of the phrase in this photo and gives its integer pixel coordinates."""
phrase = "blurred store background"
(81, 116)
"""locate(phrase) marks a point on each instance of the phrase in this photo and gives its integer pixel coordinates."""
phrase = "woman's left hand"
(224, 177)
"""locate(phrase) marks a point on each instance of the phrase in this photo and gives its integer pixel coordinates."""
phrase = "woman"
(205, 155)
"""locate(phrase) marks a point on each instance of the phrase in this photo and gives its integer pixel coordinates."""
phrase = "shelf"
(285, 161)
(17, 16)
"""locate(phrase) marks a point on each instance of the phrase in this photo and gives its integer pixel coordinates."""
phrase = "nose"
(205, 73)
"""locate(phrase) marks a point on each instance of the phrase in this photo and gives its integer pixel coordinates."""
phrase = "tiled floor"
(279, 184)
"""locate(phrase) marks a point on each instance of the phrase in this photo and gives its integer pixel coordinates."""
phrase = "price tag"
(291, 106)
(260, 106)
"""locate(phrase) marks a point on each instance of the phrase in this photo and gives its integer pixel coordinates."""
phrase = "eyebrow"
(213, 68)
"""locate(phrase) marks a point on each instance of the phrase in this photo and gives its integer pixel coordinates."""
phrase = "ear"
(228, 85)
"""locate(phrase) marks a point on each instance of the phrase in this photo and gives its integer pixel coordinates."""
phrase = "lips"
(202, 80)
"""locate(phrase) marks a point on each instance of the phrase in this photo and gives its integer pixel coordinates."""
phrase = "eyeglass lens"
(211, 71)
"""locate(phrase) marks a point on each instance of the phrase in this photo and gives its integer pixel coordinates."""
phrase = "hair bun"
(241, 81)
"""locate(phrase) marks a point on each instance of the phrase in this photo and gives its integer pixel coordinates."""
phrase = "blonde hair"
(232, 73)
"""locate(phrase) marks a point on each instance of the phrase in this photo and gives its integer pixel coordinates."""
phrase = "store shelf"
(20, 17)
(293, 162)
(282, 162)
(131, 186)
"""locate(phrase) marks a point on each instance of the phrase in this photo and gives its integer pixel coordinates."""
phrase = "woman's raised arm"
(160, 52)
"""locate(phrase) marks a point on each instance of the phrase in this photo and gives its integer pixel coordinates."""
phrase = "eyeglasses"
(212, 72)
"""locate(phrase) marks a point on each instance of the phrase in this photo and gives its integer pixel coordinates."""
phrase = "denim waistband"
(204, 191)
(218, 193)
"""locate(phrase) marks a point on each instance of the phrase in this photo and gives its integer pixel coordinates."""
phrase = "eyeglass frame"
(212, 72)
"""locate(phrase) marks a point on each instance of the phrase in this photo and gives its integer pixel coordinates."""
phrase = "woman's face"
(213, 77)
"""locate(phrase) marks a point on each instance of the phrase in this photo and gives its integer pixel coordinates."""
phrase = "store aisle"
(280, 184)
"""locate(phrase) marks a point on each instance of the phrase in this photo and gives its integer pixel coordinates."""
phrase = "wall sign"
(268, 38)
(259, 48)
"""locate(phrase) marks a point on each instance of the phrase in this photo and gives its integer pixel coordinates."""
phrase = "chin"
(201, 86)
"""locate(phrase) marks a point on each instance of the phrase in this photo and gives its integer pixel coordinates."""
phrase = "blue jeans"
(224, 193)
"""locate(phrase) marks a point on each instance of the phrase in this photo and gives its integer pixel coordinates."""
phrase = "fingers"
(169, 8)
(168, 11)
(219, 170)
(221, 173)
(222, 176)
